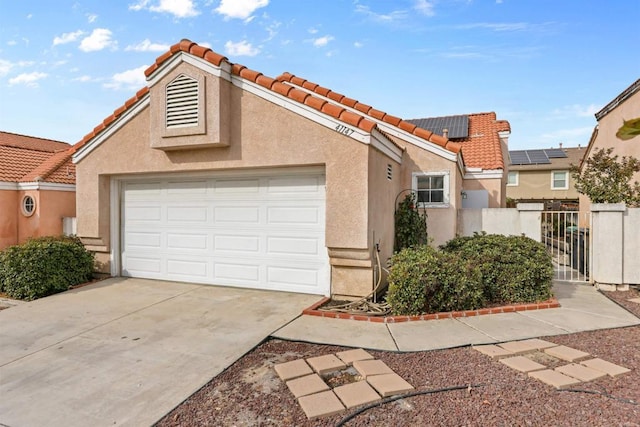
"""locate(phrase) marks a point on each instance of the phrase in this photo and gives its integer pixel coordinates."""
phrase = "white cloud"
(242, 48)
(12, 43)
(27, 79)
(177, 8)
(358, 44)
(240, 9)
(91, 18)
(576, 110)
(569, 137)
(82, 79)
(67, 37)
(131, 79)
(322, 41)
(7, 66)
(312, 31)
(147, 46)
(99, 39)
(394, 16)
(424, 7)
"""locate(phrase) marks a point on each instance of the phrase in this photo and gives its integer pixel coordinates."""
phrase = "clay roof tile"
(185, 45)
(364, 108)
(249, 74)
(214, 58)
(282, 88)
(406, 126)
(310, 86)
(198, 50)
(265, 81)
(298, 95)
(332, 110)
(351, 118)
(335, 96)
(315, 102)
(349, 102)
(393, 120)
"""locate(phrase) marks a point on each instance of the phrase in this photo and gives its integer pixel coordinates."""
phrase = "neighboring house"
(217, 174)
(37, 187)
(625, 106)
(543, 176)
(484, 141)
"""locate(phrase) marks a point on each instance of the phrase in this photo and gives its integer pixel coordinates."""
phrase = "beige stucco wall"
(497, 198)
(261, 135)
(537, 185)
(606, 138)
(9, 211)
(55, 205)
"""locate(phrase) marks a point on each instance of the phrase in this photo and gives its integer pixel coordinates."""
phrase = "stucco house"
(544, 176)
(484, 143)
(625, 106)
(215, 173)
(37, 187)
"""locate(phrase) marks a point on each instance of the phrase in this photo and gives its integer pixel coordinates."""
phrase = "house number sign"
(344, 130)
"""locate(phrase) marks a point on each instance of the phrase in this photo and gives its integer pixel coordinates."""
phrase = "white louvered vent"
(182, 102)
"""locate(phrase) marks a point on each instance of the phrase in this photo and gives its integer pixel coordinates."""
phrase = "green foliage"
(469, 273)
(410, 224)
(412, 269)
(44, 266)
(604, 179)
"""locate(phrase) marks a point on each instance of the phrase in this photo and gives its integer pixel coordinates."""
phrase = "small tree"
(604, 179)
(411, 225)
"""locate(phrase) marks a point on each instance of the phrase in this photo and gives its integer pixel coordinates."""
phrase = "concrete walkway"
(127, 351)
(583, 308)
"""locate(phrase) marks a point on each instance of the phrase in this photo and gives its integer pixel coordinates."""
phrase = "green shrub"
(412, 270)
(457, 285)
(513, 268)
(410, 224)
(44, 266)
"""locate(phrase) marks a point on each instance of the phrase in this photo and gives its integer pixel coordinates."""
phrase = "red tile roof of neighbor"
(330, 103)
(482, 148)
(30, 159)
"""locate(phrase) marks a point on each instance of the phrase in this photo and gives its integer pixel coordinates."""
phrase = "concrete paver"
(325, 364)
(389, 384)
(321, 404)
(110, 353)
(608, 368)
(493, 351)
(436, 334)
(356, 394)
(511, 326)
(526, 346)
(350, 356)
(554, 378)
(367, 368)
(293, 369)
(580, 372)
(309, 384)
(566, 353)
(522, 364)
(636, 300)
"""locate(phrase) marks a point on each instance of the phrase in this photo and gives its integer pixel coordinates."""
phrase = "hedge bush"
(44, 266)
(469, 273)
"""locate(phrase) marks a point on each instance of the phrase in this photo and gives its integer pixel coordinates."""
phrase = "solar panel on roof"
(538, 157)
(555, 153)
(457, 126)
(519, 157)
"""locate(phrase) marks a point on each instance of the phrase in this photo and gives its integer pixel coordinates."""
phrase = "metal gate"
(566, 235)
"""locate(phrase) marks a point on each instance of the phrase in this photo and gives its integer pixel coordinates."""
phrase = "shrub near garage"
(411, 278)
(44, 266)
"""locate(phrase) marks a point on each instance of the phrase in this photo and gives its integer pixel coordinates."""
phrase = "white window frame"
(566, 180)
(28, 205)
(516, 174)
(445, 186)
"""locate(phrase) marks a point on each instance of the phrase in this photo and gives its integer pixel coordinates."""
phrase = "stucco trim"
(111, 129)
(382, 144)
(49, 186)
(9, 186)
(483, 174)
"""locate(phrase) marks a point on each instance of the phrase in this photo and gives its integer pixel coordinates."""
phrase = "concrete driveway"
(127, 351)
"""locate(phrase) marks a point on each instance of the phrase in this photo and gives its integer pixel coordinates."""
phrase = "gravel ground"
(249, 393)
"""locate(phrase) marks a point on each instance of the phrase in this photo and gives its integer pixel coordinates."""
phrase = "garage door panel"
(258, 231)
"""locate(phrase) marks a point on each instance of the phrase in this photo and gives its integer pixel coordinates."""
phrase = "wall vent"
(182, 102)
(389, 172)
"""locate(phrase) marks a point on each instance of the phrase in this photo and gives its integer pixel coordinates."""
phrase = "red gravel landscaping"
(249, 392)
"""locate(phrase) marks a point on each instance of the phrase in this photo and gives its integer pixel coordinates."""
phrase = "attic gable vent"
(182, 102)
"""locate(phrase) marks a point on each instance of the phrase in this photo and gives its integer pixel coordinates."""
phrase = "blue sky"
(546, 66)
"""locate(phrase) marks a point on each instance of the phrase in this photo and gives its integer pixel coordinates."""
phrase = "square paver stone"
(566, 353)
(350, 356)
(389, 384)
(367, 368)
(608, 368)
(522, 364)
(321, 404)
(356, 394)
(580, 372)
(326, 363)
(636, 300)
(493, 351)
(526, 346)
(554, 378)
(294, 369)
(307, 385)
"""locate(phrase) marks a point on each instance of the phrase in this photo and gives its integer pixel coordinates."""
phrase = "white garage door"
(262, 232)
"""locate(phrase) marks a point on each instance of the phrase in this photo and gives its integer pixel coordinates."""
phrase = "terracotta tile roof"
(331, 106)
(29, 159)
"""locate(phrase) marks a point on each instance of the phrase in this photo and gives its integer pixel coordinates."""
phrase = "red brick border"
(313, 311)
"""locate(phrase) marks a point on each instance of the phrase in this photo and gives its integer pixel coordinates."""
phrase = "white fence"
(607, 243)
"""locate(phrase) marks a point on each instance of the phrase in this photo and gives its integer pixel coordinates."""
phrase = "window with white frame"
(559, 180)
(512, 179)
(432, 188)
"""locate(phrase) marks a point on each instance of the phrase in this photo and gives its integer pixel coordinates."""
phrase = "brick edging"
(313, 311)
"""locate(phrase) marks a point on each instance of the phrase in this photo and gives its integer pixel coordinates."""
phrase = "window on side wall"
(432, 188)
(559, 180)
(512, 179)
